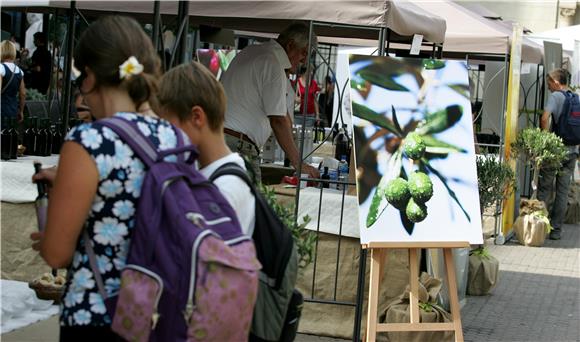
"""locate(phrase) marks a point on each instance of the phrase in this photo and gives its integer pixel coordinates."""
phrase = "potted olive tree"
(538, 149)
(496, 182)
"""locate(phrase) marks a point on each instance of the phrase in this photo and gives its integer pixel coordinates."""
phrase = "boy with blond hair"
(192, 99)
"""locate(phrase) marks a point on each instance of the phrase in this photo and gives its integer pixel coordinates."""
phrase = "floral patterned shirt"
(111, 219)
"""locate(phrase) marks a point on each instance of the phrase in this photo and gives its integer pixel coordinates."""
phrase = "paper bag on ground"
(531, 230)
(398, 312)
(532, 225)
(482, 275)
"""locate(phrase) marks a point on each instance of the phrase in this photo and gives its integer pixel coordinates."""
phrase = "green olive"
(414, 146)
(416, 212)
(397, 193)
(420, 187)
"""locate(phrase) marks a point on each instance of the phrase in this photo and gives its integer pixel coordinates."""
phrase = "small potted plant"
(539, 149)
(495, 182)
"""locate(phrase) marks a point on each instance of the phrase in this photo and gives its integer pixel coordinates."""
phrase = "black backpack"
(273, 240)
(568, 125)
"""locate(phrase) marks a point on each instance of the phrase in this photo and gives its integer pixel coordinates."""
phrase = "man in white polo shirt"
(256, 89)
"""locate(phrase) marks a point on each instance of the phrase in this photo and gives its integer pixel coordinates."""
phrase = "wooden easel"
(378, 250)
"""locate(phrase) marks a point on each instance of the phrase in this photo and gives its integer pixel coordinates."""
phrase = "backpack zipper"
(189, 307)
(197, 218)
(155, 316)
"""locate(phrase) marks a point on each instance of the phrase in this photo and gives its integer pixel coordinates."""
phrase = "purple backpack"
(191, 274)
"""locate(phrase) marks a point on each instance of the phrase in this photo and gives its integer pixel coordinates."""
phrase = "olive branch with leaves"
(383, 73)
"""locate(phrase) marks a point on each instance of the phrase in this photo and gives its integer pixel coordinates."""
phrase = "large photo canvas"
(414, 148)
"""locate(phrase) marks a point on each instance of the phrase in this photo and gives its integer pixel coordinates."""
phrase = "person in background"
(256, 87)
(13, 89)
(326, 100)
(312, 108)
(98, 181)
(191, 98)
(40, 63)
(14, 40)
(557, 83)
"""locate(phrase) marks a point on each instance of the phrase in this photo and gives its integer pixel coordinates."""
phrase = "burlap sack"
(531, 230)
(398, 312)
(482, 275)
(338, 320)
(573, 212)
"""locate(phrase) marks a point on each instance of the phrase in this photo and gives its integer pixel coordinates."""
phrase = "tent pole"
(304, 112)
(382, 41)
(536, 97)
(156, 20)
(67, 63)
(388, 41)
(184, 16)
(498, 229)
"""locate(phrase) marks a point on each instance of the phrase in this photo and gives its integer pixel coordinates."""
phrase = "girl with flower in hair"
(98, 180)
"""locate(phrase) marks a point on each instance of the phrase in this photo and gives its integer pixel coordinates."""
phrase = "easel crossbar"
(384, 327)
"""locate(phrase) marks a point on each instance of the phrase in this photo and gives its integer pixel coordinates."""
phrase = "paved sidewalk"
(537, 297)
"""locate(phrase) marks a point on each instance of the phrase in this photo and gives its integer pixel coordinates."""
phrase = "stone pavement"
(537, 297)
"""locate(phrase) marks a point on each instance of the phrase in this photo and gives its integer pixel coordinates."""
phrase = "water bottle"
(343, 172)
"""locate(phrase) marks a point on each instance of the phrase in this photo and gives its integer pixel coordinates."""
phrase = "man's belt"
(240, 136)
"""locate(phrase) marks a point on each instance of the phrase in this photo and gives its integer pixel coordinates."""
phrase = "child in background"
(191, 98)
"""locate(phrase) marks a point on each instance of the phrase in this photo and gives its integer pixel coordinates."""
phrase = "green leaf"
(395, 120)
(441, 120)
(444, 181)
(432, 64)
(358, 83)
(379, 202)
(390, 68)
(376, 205)
(436, 146)
(380, 80)
(461, 89)
(371, 116)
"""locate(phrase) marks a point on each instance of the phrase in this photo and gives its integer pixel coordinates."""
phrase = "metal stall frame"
(498, 231)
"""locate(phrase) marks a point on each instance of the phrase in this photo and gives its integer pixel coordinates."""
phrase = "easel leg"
(453, 299)
(376, 265)
(414, 282)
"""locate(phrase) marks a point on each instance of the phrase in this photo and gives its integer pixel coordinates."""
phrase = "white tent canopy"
(467, 33)
(564, 35)
(402, 17)
(470, 32)
(569, 37)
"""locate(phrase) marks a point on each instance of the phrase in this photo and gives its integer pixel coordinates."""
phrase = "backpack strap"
(93, 262)
(233, 169)
(143, 147)
(10, 79)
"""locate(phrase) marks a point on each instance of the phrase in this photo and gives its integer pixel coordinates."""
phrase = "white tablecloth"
(330, 212)
(20, 307)
(16, 186)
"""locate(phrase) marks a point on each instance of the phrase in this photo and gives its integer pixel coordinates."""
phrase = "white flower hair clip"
(130, 67)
